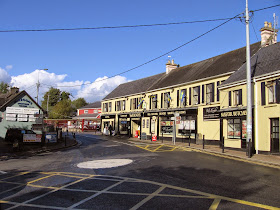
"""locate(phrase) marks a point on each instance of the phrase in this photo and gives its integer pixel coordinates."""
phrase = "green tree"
(54, 96)
(62, 110)
(65, 95)
(4, 87)
(78, 103)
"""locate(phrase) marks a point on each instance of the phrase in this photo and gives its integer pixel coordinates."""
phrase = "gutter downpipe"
(256, 116)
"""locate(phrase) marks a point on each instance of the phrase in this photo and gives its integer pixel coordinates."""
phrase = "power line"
(156, 58)
(113, 27)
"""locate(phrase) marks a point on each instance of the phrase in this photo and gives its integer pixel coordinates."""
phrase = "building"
(19, 110)
(201, 100)
(89, 116)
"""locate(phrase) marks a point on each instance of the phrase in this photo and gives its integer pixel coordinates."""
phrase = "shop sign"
(108, 117)
(19, 110)
(51, 138)
(167, 129)
(135, 115)
(123, 115)
(32, 137)
(152, 114)
(234, 114)
(211, 113)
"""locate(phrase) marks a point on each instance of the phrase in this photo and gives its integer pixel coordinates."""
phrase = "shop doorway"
(274, 135)
(135, 127)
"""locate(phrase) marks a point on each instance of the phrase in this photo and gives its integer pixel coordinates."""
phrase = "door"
(274, 133)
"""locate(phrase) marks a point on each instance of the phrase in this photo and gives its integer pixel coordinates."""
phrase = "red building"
(88, 117)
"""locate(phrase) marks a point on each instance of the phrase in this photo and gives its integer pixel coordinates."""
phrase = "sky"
(83, 62)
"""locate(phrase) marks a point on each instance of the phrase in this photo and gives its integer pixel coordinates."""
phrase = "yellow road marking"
(215, 204)
(36, 180)
(157, 148)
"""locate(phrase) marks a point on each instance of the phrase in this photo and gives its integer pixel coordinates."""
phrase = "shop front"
(107, 122)
(135, 122)
(233, 127)
(124, 124)
(165, 123)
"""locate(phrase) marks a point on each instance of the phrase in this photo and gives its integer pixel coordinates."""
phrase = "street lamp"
(38, 83)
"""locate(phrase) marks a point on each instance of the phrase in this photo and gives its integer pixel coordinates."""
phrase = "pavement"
(7, 152)
(260, 159)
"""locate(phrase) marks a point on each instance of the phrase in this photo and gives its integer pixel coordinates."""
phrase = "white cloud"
(91, 91)
(4, 76)
(8, 67)
(100, 88)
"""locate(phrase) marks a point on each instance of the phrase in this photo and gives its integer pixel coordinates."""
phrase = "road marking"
(145, 200)
(215, 204)
(195, 194)
(36, 180)
(3, 172)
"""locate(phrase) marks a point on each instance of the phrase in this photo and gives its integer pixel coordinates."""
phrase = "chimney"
(268, 35)
(14, 90)
(170, 66)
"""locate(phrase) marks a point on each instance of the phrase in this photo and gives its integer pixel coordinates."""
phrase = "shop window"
(167, 100)
(182, 98)
(123, 105)
(237, 97)
(210, 93)
(166, 125)
(234, 129)
(110, 107)
(196, 95)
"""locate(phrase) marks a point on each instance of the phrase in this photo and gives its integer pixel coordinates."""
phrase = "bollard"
(65, 140)
(74, 136)
(203, 142)
(223, 145)
(190, 140)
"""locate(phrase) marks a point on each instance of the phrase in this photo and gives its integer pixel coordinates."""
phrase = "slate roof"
(96, 104)
(218, 65)
(136, 86)
(14, 97)
(266, 60)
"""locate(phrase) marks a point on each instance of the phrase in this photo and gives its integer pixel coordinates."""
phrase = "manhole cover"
(109, 163)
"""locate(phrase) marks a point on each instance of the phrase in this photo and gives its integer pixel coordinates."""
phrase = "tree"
(54, 96)
(4, 87)
(65, 96)
(78, 103)
(62, 110)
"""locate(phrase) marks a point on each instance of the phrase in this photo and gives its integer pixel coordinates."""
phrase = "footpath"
(260, 159)
(30, 149)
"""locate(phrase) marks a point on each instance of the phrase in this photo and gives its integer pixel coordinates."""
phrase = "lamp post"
(38, 83)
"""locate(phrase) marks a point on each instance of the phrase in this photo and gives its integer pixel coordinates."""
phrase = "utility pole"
(38, 83)
(249, 87)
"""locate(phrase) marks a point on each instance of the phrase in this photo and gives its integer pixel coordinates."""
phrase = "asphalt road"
(149, 177)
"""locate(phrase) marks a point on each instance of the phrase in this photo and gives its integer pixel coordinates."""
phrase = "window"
(210, 93)
(148, 121)
(234, 128)
(182, 98)
(167, 100)
(123, 105)
(196, 95)
(140, 103)
(273, 92)
(105, 107)
(133, 103)
(118, 106)
(143, 124)
(153, 101)
(237, 97)
(110, 107)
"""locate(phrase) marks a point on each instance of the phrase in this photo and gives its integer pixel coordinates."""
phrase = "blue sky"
(84, 56)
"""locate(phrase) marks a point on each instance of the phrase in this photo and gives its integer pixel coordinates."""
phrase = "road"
(144, 177)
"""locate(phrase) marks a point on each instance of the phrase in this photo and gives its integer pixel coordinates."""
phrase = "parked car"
(16, 134)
